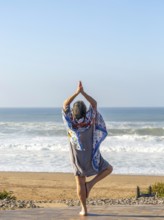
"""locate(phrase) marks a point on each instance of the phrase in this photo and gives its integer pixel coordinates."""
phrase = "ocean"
(35, 139)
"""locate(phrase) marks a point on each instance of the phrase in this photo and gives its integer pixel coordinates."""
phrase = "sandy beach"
(58, 186)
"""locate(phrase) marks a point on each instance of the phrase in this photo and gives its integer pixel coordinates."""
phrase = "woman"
(86, 130)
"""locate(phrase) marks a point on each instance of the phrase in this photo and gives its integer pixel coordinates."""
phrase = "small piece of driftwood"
(140, 194)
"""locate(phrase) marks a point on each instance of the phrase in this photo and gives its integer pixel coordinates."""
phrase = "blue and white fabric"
(99, 131)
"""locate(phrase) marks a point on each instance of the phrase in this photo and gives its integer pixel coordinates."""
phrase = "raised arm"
(71, 98)
(91, 100)
(80, 90)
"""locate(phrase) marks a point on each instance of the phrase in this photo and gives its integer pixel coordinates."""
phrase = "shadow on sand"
(126, 216)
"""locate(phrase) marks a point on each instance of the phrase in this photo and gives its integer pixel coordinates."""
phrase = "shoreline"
(59, 186)
(71, 173)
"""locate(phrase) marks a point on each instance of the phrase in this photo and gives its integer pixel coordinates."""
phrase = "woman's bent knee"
(110, 169)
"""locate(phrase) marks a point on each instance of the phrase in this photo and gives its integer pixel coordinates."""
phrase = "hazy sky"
(116, 47)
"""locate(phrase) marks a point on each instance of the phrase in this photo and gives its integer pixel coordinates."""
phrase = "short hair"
(79, 109)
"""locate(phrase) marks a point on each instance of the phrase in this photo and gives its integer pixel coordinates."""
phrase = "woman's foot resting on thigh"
(88, 188)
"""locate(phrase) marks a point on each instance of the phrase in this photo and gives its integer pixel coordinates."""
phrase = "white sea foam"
(124, 143)
(132, 147)
(128, 154)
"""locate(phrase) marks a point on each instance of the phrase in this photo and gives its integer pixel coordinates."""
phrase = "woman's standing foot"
(83, 212)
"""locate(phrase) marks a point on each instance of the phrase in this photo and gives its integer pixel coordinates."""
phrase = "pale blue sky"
(116, 47)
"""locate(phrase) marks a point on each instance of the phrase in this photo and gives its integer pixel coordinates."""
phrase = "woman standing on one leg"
(86, 130)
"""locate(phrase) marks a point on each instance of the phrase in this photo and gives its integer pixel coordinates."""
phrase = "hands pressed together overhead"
(79, 88)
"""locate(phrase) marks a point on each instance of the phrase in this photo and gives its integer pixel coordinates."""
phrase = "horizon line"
(3, 107)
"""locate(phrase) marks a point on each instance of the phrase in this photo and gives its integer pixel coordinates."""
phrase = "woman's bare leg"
(81, 192)
(97, 178)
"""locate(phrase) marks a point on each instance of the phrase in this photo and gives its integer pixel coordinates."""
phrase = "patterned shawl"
(75, 127)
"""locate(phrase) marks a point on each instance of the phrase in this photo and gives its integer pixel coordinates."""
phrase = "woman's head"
(79, 110)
